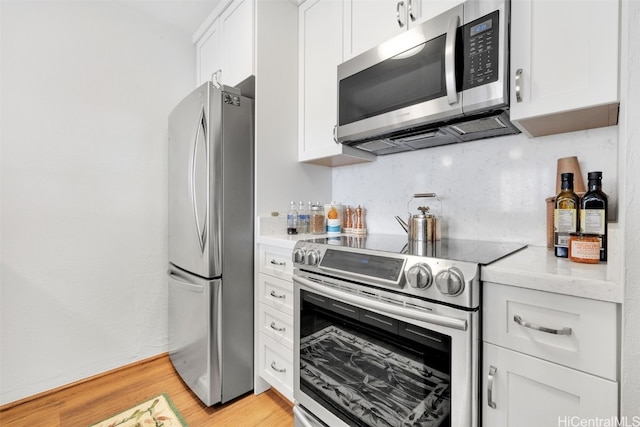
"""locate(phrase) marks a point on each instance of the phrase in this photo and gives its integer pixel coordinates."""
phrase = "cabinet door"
(369, 23)
(529, 392)
(236, 23)
(320, 44)
(564, 59)
(275, 365)
(209, 53)
(430, 8)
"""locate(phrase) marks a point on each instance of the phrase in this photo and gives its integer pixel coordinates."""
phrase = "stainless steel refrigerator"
(211, 148)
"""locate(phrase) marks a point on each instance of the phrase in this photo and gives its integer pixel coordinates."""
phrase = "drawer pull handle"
(274, 262)
(492, 374)
(273, 294)
(519, 321)
(273, 366)
(275, 328)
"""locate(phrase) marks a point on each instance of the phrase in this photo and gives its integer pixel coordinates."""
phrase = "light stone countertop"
(272, 231)
(533, 267)
(538, 268)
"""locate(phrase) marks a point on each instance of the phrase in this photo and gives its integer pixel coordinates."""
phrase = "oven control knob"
(419, 276)
(313, 257)
(450, 281)
(298, 256)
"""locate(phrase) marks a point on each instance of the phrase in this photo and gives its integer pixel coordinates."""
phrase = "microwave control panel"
(481, 41)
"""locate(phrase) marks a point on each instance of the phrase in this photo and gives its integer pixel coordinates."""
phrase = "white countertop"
(284, 240)
(538, 268)
(272, 231)
(533, 267)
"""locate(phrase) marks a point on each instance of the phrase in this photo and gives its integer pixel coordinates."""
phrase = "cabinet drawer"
(576, 332)
(276, 293)
(276, 324)
(276, 262)
(524, 391)
(276, 365)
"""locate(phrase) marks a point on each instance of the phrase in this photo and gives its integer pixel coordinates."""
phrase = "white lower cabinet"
(524, 391)
(275, 365)
(274, 320)
(548, 359)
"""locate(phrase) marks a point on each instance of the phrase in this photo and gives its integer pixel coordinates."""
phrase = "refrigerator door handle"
(200, 229)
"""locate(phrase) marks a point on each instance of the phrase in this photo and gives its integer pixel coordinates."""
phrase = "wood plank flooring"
(100, 397)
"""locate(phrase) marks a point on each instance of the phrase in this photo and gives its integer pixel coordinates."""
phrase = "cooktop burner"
(475, 251)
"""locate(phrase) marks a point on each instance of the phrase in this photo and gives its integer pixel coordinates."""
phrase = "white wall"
(279, 176)
(86, 91)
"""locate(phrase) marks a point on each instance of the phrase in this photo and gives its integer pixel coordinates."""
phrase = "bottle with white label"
(303, 219)
(565, 218)
(292, 219)
(594, 210)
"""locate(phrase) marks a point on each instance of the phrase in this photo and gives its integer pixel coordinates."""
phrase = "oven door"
(370, 361)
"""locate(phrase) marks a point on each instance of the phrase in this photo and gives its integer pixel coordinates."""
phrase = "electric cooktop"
(475, 251)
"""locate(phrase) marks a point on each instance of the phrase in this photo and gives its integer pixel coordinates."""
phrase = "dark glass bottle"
(565, 218)
(593, 211)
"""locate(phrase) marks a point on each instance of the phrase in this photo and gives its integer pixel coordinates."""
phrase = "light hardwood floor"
(100, 397)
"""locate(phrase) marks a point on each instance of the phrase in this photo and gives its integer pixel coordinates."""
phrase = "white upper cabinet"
(371, 22)
(209, 53)
(564, 65)
(227, 44)
(320, 52)
(236, 23)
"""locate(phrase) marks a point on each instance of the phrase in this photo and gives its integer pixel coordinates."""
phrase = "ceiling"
(187, 15)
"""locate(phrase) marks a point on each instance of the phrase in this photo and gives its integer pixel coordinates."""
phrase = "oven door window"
(412, 77)
(373, 370)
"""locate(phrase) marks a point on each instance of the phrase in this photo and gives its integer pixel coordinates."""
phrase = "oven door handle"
(434, 319)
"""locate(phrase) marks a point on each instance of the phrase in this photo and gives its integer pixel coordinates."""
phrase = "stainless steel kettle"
(423, 226)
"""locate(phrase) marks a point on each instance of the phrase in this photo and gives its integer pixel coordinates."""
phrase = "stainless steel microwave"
(442, 82)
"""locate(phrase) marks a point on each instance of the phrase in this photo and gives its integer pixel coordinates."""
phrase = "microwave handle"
(450, 60)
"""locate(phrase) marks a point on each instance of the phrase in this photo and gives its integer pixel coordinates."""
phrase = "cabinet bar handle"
(398, 6)
(492, 374)
(273, 366)
(518, 88)
(273, 294)
(411, 15)
(274, 262)
(275, 328)
(519, 321)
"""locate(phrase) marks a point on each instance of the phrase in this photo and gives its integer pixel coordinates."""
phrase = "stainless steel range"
(388, 335)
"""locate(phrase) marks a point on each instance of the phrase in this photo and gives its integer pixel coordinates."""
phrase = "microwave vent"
(479, 125)
(377, 145)
(427, 139)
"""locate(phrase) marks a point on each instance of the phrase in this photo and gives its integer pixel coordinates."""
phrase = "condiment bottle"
(303, 219)
(316, 219)
(292, 219)
(565, 218)
(594, 210)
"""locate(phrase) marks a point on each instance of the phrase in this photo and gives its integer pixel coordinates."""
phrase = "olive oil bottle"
(594, 210)
(565, 218)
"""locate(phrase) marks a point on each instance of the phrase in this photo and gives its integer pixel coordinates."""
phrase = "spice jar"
(316, 219)
(584, 248)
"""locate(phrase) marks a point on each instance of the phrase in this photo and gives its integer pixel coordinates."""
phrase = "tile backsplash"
(492, 189)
